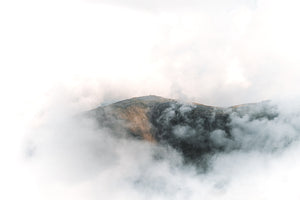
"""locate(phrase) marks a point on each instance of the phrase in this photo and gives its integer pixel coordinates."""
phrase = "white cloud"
(77, 54)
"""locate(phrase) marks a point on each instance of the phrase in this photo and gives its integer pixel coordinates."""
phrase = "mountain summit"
(193, 129)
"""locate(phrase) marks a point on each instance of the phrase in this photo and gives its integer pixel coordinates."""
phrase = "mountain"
(194, 130)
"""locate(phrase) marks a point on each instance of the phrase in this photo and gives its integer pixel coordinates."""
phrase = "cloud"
(209, 54)
(75, 158)
(63, 57)
(177, 5)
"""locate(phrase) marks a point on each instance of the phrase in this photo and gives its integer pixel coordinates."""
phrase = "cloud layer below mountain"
(74, 158)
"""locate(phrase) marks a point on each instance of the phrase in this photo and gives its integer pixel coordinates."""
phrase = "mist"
(75, 158)
(62, 58)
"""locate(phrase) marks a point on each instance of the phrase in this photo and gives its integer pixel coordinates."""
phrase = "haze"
(61, 57)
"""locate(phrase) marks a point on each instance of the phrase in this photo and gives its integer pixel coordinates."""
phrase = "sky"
(62, 57)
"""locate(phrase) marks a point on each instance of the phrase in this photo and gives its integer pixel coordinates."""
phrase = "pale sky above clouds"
(210, 51)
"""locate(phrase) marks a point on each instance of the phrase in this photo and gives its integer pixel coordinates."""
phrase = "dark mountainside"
(196, 131)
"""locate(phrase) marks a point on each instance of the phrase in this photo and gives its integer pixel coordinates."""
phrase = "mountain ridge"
(195, 130)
